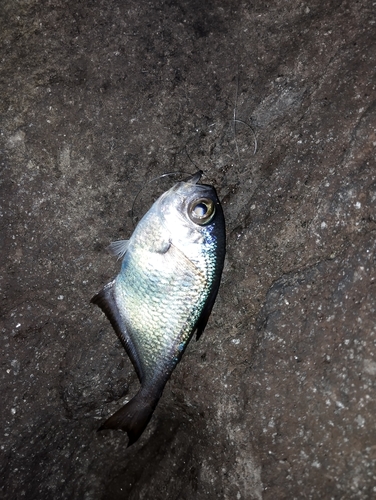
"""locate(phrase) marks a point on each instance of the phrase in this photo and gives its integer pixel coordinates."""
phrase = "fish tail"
(132, 417)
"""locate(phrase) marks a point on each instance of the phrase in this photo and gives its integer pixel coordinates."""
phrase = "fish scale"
(165, 290)
(166, 308)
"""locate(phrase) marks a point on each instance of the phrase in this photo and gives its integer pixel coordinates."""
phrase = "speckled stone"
(277, 399)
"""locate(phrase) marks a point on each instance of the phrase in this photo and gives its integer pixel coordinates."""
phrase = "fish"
(164, 293)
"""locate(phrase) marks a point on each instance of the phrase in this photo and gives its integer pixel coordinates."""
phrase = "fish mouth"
(193, 180)
(195, 177)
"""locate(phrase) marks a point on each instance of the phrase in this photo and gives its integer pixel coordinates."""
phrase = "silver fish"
(165, 290)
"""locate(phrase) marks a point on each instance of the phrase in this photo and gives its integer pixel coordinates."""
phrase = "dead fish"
(165, 291)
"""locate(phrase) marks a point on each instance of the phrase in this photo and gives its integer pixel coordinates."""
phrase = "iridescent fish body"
(165, 290)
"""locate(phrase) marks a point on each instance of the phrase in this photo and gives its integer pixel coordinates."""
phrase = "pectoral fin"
(118, 248)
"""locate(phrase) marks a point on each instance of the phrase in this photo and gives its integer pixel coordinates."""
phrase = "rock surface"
(277, 399)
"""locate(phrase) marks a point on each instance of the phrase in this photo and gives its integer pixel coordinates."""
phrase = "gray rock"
(276, 400)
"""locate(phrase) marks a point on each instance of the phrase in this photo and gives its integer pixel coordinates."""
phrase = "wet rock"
(276, 400)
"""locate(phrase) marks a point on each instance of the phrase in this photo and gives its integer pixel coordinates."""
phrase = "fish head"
(190, 211)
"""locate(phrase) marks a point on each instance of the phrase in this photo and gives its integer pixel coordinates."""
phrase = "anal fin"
(106, 301)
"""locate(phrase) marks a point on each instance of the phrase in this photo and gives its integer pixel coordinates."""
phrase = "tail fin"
(132, 417)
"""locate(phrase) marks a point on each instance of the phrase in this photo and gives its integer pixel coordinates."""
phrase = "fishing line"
(236, 120)
(189, 157)
(135, 217)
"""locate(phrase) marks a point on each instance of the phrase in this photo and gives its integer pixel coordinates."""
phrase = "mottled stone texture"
(277, 400)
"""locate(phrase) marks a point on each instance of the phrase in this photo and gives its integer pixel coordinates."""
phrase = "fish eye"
(201, 211)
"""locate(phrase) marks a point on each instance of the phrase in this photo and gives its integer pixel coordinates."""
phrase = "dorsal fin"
(204, 316)
(105, 300)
